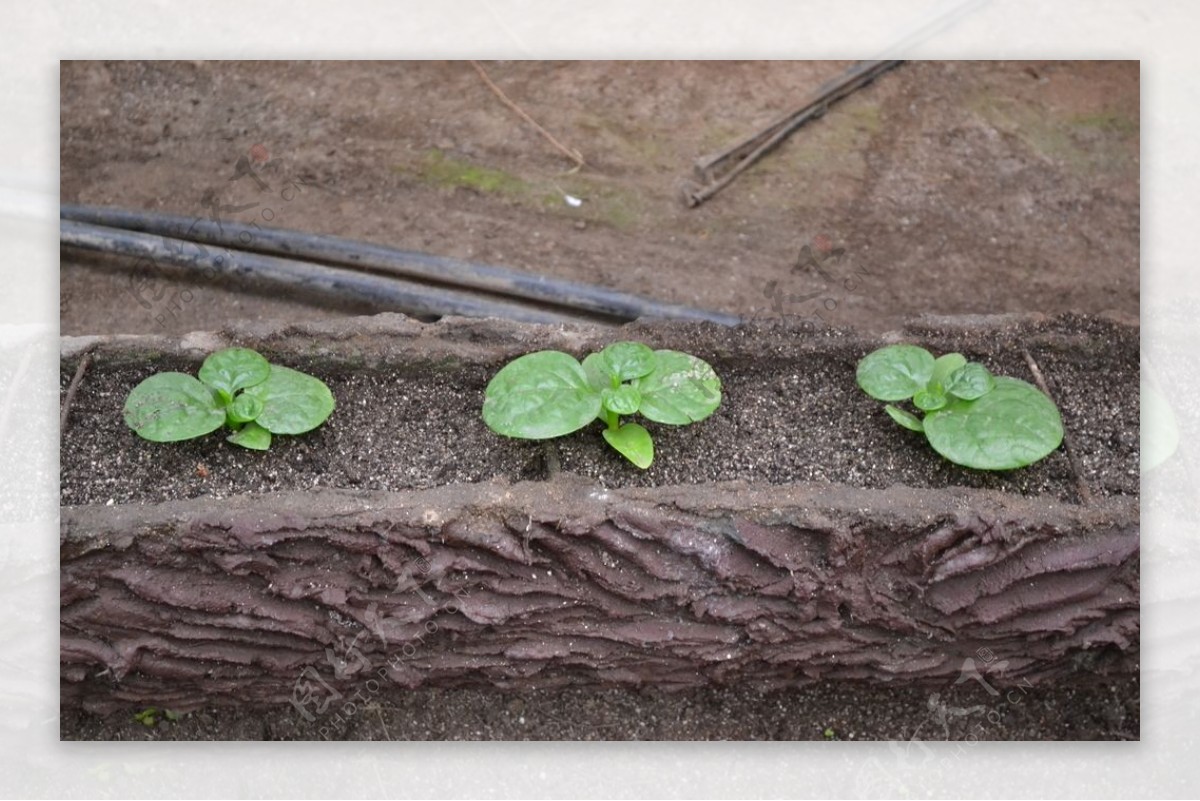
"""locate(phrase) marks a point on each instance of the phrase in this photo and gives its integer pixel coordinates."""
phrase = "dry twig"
(1085, 493)
(571, 153)
(718, 171)
(65, 412)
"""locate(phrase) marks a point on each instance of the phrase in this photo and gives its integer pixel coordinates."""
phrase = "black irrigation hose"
(379, 291)
(407, 263)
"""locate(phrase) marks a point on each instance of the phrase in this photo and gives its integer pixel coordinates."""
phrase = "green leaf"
(293, 402)
(243, 409)
(1012, 426)
(896, 372)
(540, 395)
(234, 369)
(906, 419)
(628, 360)
(598, 374)
(623, 400)
(1160, 432)
(680, 390)
(169, 407)
(970, 382)
(633, 442)
(928, 401)
(944, 365)
(252, 436)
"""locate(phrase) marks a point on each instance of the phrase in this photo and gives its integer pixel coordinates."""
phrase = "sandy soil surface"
(950, 188)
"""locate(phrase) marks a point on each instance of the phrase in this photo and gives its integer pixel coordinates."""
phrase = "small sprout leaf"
(1012, 426)
(540, 395)
(633, 442)
(970, 382)
(233, 369)
(598, 376)
(680, 390)
(928, 401)
(944, 365)
(896, 372)
(244, 408)
(628, 360)
(169, 407)
(293, 402)
(252, 436)
(906, 419)
(623, 400)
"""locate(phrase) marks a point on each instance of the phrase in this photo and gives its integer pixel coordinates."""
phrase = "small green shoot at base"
(150, 716)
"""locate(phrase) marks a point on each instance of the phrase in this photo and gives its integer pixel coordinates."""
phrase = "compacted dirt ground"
(946, 188)
(977, 187)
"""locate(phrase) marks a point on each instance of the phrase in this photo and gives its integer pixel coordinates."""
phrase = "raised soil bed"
(796, 535)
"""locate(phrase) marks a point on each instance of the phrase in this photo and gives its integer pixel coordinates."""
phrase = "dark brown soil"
(828, 711)
(793, 414)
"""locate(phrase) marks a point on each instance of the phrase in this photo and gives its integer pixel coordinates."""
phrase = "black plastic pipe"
(407, 263)
(382, 292)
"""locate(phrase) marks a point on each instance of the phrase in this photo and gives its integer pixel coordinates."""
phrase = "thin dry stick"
(386, 733)
(1085, 494)
(747, 152)
(65, 413)
(570, 153)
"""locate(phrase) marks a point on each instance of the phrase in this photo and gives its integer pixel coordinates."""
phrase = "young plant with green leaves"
(151, 715)
(237, 388)
(550, 394)
(972, 418)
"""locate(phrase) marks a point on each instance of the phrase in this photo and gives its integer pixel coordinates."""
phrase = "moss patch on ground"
(1083, 143)
(440, 169)
(604, 202)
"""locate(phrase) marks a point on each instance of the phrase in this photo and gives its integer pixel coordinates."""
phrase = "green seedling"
(150, 716)
(550, 394)
(237, 388)
(972, 418)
